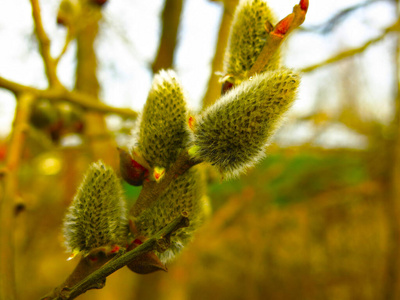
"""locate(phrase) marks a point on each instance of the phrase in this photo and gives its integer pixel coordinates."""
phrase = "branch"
(278, 34)
(170, 23)
(60, 94)
(214, 85)
(7, 202)
(152, 190)
(97, 278)
(68, 40)
(44, 45)
(351, 52)
(341, 16)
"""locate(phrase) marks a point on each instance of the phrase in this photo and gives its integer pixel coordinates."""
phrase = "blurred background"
(318, 218)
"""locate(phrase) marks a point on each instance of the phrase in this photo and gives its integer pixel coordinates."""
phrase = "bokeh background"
(318, 218)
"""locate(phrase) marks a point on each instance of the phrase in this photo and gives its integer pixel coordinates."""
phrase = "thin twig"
(59, 94)
(339, 18)
(351, 52)
(95, 279)
(7, 202)
(68, 40)
(44, 45)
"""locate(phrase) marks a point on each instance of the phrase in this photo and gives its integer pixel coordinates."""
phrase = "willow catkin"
(97, 214)
(232, 134)
(247, 38)
(163, 130)
(185, 194)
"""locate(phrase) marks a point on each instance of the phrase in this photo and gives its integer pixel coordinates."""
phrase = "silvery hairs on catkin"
(163, 130)
(247, 38)
(232, 134)
(185, 194)
(97, 216)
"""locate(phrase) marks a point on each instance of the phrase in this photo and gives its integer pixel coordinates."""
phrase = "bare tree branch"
(60, 94)
(349, 53)
(170, 23)
(7, 202)
(214, 85)
(340, 17)
(44, 46)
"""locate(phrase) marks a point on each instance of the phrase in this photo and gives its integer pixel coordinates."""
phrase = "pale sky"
(129, 40)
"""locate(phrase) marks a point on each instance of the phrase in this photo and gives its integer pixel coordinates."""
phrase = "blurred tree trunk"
(392, 285)
(100, 142)
(170, 23)
(214, 86)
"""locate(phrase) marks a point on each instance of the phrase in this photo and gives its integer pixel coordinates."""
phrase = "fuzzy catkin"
(247, 38)
(232, 134)
(163, 131)
(185, 194)
(97, 216)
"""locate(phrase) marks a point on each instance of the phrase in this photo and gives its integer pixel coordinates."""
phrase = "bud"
(232, 134)
(184, 194)
(96, 217)
(249, 32)
(98, 2)
(68, 12)
(145, 263)
(163, 131)
(131, 170)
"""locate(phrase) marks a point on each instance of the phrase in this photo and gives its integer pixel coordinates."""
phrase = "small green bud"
(232, 134)
(184, 194)
(164, 130)
(251, 23)
(97, 216)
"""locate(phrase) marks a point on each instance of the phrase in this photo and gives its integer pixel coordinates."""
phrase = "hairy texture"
(247, 38)
(232, 134)
(163, 131)
(97, 215)
(185, 194)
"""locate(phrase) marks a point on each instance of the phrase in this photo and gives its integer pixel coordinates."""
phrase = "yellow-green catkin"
(185, 194)
(232, 134)
(247, 38)
(163, 131)
(97, 216)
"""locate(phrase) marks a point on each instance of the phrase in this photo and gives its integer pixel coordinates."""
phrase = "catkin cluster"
(232, 134)
(163, 134)
(97, 216)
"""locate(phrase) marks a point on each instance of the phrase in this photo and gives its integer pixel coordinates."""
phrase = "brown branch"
(68, 40)
(152, 190)
(78, 284)
(44, 46)
(170, 23)
(278, 34)
(343, 55)
(395, 27)
(7, 202)
(329, 25)
(214, 85)
(88, 83)
(59, 94)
